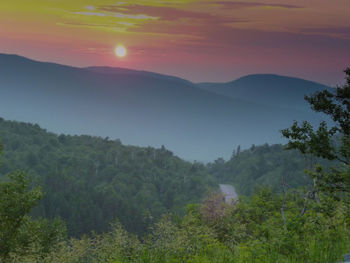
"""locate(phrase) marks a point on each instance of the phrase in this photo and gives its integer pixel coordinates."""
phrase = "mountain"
(132, 72)
(268, 89)
(140, 108)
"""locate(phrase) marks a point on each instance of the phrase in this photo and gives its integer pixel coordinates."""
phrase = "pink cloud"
(238, 5)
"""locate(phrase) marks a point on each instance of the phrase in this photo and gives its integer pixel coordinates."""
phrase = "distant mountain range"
(268, 89)
(195, 121)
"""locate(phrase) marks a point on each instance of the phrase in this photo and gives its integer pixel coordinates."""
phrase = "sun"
(120, 51)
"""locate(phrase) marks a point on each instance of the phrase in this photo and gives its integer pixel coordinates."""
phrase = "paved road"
(229, 193)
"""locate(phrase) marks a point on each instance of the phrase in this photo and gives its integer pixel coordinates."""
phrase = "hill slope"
(268, 89)
(265, 165)
(140, 108)
(90, 181)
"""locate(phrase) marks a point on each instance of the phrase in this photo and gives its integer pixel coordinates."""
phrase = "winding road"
(229, 193)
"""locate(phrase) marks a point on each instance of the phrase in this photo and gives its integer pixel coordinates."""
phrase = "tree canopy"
(19, 234)
(332, 142)
(90, 181)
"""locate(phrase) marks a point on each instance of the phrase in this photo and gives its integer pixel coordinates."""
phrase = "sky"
(202, 41)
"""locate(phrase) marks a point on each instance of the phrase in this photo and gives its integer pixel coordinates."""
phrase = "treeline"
(88, 182)
(266, 165)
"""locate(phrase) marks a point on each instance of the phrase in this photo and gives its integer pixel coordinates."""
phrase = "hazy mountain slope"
(268, 89)
(137, 107)
(132, 72)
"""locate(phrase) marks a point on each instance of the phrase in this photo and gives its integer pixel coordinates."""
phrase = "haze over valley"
(196, 121)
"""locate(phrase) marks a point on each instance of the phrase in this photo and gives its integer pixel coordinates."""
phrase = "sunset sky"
(197, 40)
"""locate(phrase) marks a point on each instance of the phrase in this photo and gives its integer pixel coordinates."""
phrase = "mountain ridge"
(264, 88)
(138, 108)
(262, 75)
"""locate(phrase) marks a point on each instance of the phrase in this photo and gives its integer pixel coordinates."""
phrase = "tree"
(16, 203)
(17, 230)
(331, 143)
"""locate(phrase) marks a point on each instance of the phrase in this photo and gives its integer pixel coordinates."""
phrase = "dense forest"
(265, 165)
(116, 193)
(252, 230)
(89, 181)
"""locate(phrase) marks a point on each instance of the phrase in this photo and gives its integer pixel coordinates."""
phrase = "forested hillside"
(265, 165)
(91, 181)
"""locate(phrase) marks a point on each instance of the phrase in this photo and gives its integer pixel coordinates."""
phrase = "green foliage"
(16, 203)
(117, 245)
(330, 143)
(89, 181)
(250, 231)
(19, 234)
(264, 165)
